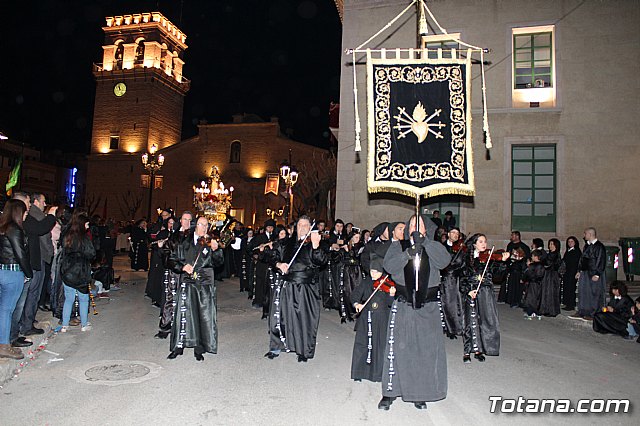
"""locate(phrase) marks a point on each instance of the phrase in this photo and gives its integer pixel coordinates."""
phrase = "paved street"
(553, 358)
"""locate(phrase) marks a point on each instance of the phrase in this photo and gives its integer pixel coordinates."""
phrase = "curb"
(10, 368)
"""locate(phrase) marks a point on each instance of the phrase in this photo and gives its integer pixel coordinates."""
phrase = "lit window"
(533, 60)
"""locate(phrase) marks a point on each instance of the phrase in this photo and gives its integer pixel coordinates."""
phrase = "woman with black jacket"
(570, 262)
(14, 267)
(75, 269)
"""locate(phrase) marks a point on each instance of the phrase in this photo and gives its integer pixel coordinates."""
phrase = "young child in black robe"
(532, 277)
(371, 324)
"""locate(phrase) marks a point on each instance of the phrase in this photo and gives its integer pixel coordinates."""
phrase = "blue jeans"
(631, 330)
(33, 297)
(17, 312)
(11, 285)
(69, 300)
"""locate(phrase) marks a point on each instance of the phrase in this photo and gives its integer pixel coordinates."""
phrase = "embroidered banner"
(272, 183)
(419, 121)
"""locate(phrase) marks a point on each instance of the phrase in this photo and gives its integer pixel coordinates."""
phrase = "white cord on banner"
(485, 115)
(358, 147)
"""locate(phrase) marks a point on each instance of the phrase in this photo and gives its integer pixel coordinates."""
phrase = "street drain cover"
(117, 372)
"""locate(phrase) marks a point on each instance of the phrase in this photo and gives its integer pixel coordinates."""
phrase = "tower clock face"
(120, 89)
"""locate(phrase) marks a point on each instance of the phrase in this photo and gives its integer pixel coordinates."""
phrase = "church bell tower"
(140, 87)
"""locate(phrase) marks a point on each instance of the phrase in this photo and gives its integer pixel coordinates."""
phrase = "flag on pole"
(13, 177)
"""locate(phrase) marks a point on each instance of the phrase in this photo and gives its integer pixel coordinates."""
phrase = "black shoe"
(21, 342)
(271, 355)
(174, 354)
(385, 402)
(161, 335)
(264, 316)
(34, 330)
(302, 358)
(466, 359)
(357, 380)
(479, 357)
(420, 405)
(343, 320)
(199, 356)
(250, 296)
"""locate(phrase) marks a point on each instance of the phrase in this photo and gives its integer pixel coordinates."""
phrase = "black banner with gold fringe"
(419, 123)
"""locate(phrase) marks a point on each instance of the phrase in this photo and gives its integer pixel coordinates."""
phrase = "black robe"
(482, 327)
(514, 289)
(533, 277)
(348, 277)
(570, 260)
(550, 297)
(195, 317)
(171, 281)
(450, 299)
(591, 294)
(369, 344)
(614, 322)
(261, 271)
(299, 296)
(156, 277)
(415, 364)
(247, 267)
(139, 253)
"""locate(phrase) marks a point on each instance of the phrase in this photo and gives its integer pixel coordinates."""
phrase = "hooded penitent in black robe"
(533, 277)
(614, 322)
(550, 297)
(299, 297)
(450, 299)
(415, 364)
(371, 328)
(195, 317)
(481, 326)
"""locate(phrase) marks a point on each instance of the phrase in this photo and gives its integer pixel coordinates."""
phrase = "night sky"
(267, 57)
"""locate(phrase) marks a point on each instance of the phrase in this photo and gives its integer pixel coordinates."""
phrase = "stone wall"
(592, 124)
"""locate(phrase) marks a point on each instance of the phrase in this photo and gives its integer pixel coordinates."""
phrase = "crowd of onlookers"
(49, 258)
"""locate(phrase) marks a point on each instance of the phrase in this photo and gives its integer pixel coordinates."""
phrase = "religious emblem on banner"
(272, 184)
(419, 122)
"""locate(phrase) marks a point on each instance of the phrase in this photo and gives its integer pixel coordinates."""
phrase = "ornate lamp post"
(152, 164)
(290, 176)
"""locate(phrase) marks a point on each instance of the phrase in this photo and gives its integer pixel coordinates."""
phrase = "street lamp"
(290, 176)
(152, 164)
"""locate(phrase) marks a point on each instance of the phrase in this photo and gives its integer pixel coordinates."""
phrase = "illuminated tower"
(140, 87)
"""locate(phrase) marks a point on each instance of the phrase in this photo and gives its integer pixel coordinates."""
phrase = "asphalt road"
(552, 358)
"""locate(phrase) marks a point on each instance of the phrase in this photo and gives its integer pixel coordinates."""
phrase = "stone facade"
(117, 177)
(591, 121)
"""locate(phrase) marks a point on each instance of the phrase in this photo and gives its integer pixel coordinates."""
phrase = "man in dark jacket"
(38, 228)
(591, 278)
